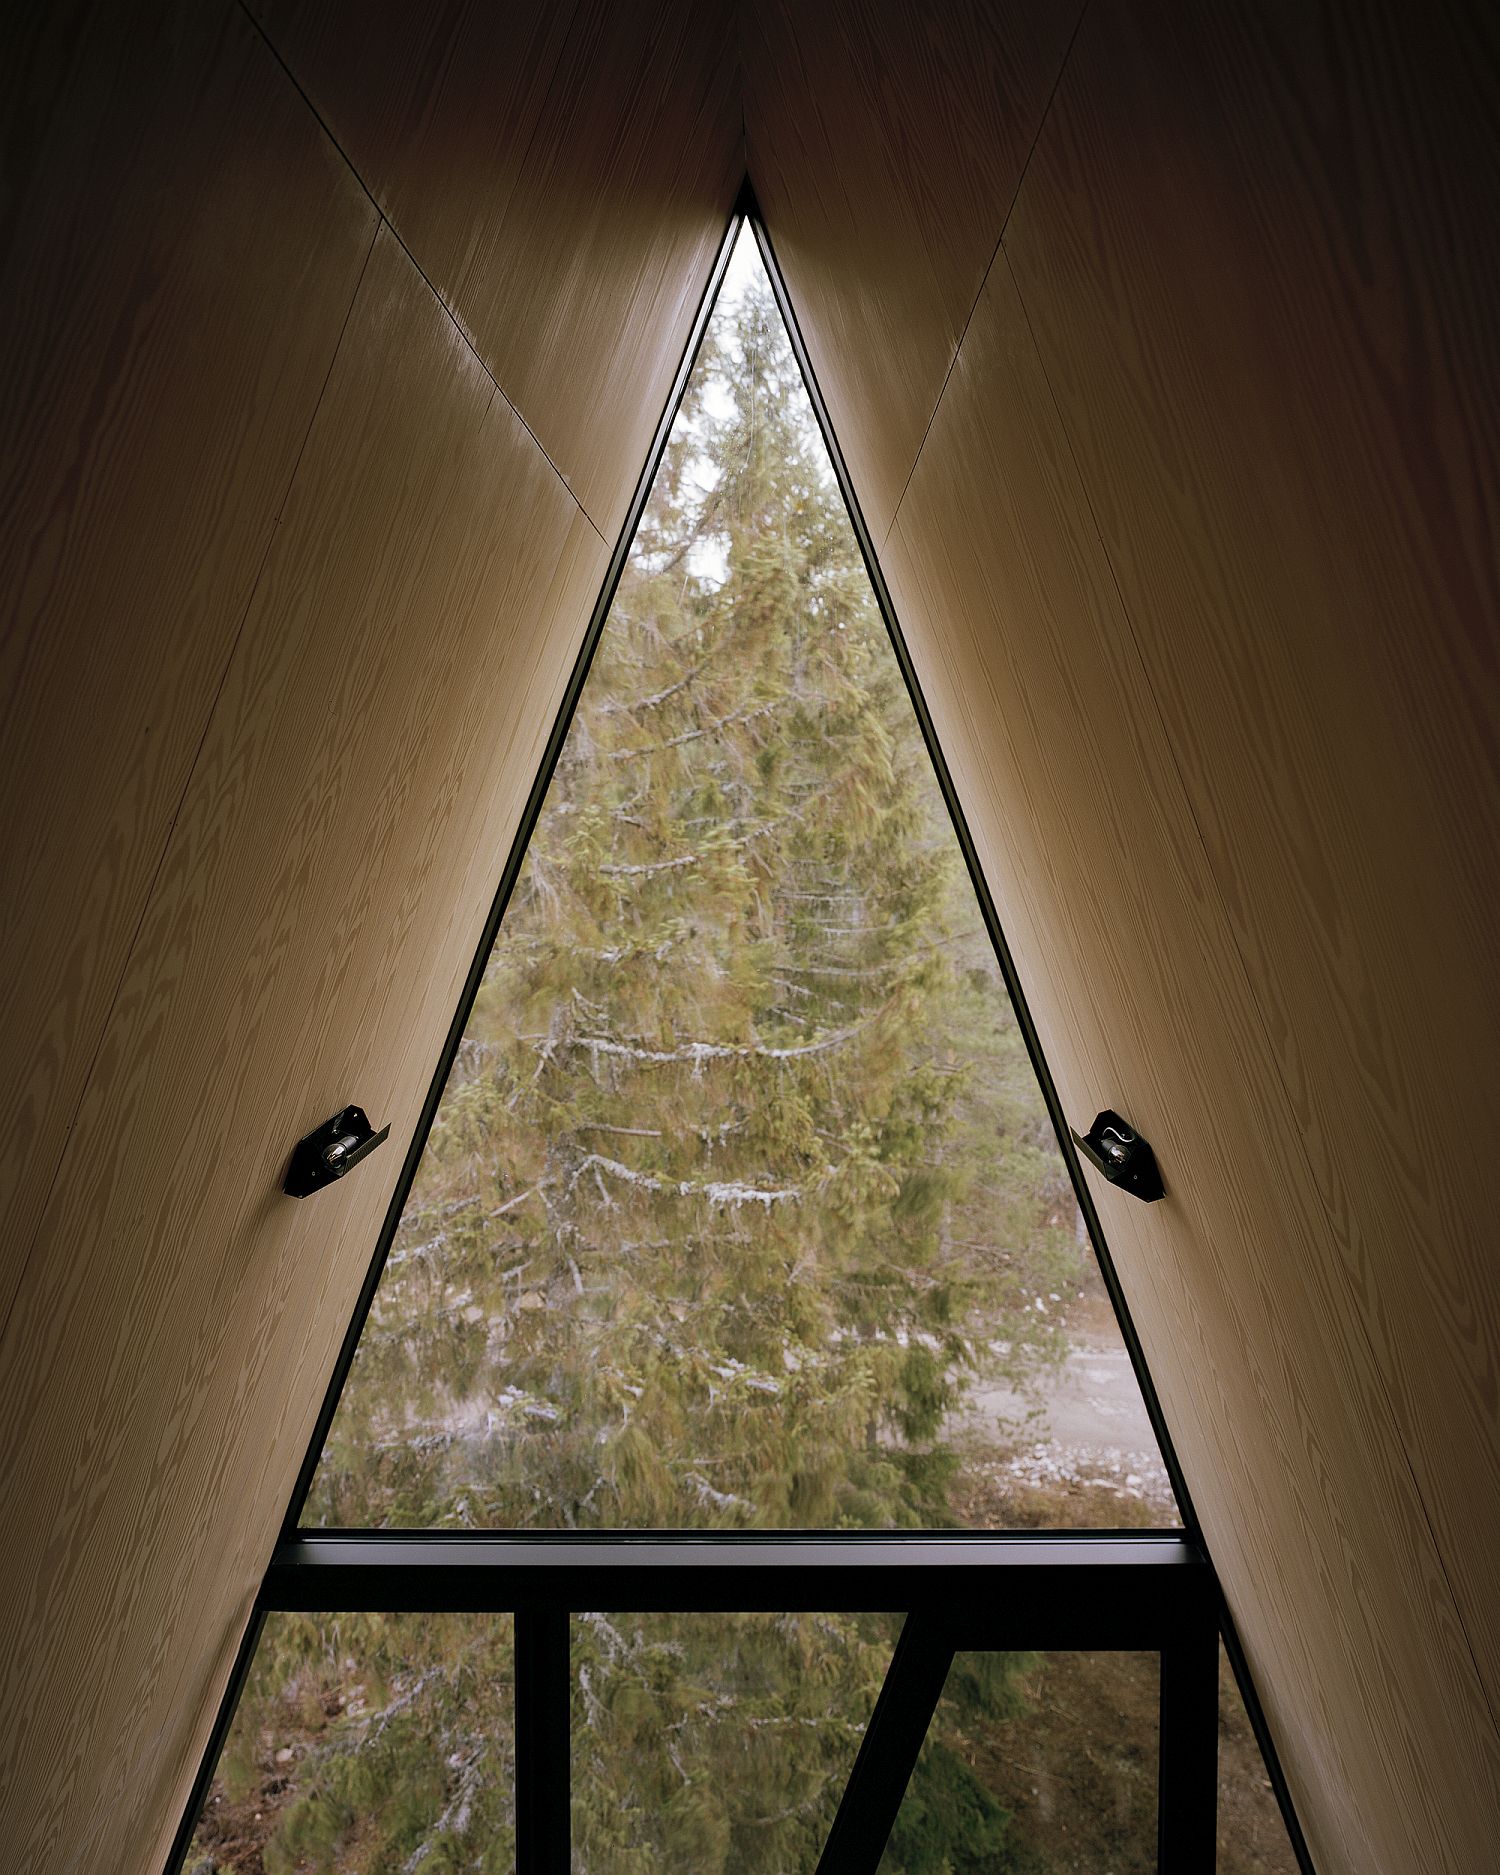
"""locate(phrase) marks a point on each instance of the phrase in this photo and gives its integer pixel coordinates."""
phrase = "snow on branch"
(698, 1052)
(654, 865)
(718, 1192)
(720, 1500)
(850, 970)
(621, 705)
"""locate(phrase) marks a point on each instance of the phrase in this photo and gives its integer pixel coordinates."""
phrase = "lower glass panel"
(368, 1742)
(1035, 1764)
(717, 1744)
(1252, 1838)
(714, 1743)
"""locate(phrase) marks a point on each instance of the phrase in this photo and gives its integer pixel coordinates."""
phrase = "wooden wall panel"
(1198, 564)
(436, 106)
(1253, 246)
(1069, 774)
(1258, 252)
(568, 226)
(1142, 1002)
(885, 144)
(167, 199)
(327, 878)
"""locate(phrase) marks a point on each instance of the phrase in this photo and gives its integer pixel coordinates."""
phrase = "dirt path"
(1073, 1450)
(1084, 1430)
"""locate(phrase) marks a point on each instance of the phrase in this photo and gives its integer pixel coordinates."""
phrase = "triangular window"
(742, 1207)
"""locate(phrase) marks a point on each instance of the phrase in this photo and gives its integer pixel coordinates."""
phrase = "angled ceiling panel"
(1138, 989)
(561, 174)
(1246, 299)
(886, 144)
(168, 197)
(298, 592)
(1315, 598)
(332, 863)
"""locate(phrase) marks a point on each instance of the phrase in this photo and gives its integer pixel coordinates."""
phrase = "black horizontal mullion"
(1127, 1592)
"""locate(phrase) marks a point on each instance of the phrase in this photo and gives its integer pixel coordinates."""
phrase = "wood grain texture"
(1258, 247)
(435, 105)
(340, 839)
(1275, 1399)
(1199, 569)
(167, 198)
(561, 173)
(885, 144)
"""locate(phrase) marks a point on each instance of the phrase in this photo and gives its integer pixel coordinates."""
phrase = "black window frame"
(1023, 1591)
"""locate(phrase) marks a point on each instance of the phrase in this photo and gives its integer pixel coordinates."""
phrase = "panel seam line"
(396, 236)
(1015, 196)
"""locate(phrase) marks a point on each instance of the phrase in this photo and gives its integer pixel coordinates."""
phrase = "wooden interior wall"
(1158, 340)
(293, 580)
(1197, 563)
(138, 500)
(886, 145)
(548, 166)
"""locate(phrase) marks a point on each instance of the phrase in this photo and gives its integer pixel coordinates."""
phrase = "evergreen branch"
(693, 735)
(851, 970)
(418, 1252)
(455, 1818)
(717, 1192)
(881, 967)
(857, 930)
(654, 865)
(521, 1197)
(699, 1052)
(721, 1500)
(413, 1439)
(377, 1722)
(623, 705)
(790, 989)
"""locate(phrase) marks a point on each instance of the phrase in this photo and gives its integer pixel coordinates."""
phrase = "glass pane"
(717, 1744)
(1252, 1838)
(368, 1742)
(1035, 1763)
(742, 1207)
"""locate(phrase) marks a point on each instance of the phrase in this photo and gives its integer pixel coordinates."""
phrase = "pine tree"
(706, 1230)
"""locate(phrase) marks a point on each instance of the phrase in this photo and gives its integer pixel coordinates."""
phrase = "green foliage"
(716, 1745)
(369, 1739)
(738, 1172)
(948, 1823)
(703, 1742)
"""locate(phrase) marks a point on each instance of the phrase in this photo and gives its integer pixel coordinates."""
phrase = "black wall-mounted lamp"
(1112, 1146)
(335, 1148)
